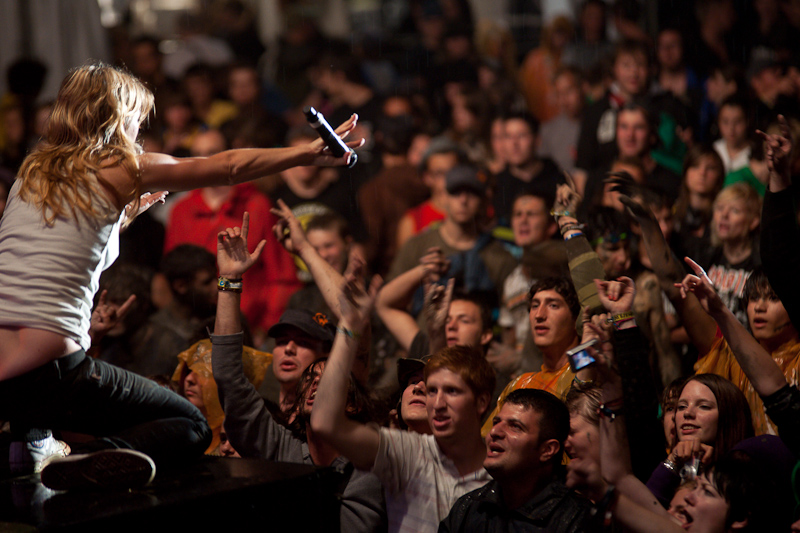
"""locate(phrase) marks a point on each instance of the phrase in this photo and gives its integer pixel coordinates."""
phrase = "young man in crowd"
(423, 475)
(596, 144)
(524, 452)
(189, 271)
(478, 262)
(441, 155)
(554, 308)
(526, 171)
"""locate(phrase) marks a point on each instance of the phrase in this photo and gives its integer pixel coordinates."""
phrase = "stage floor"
(213, 493)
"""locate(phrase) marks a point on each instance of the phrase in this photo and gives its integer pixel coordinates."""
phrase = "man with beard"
(189, 271)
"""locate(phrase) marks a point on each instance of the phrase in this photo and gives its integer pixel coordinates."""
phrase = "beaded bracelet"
(229, 285)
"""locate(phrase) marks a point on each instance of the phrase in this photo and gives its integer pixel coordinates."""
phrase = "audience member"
(524, 451)
(440, 157)
(201, 214)
(477, 261)
(733, 146)
(559, 135)
(423, 475)
(251, 428)
(190, 274)
(596, 144)
(526, 171)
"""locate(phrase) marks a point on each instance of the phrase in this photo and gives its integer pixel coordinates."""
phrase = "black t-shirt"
(729, 280)
(340, 197)
(508, 187)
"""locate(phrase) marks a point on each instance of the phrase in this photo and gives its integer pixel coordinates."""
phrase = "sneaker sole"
(106, 469)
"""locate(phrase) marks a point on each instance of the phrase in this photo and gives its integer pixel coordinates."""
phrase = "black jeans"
(122, 409)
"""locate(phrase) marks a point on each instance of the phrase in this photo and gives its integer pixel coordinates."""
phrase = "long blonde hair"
(85, 134)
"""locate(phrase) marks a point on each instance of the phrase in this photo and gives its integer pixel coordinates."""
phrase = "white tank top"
(49, 275)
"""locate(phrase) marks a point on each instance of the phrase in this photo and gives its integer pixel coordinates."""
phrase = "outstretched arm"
(699, 325)
(356, 441)
(164, 172)
(757, 364)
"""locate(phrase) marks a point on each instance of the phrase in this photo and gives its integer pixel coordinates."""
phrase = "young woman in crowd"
(711, 417)
(703, 175)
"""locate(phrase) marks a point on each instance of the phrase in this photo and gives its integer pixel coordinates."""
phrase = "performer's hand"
(322, 154)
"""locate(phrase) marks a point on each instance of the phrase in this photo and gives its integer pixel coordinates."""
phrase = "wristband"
(229, 285)
(620, 318)
(570, 227)
(563, 213)
(670, 465)
(348, 332)
(578, 234)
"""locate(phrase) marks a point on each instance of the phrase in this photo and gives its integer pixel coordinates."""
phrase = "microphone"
(335, 143)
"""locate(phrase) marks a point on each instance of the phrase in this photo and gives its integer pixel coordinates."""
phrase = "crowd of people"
(555, 293)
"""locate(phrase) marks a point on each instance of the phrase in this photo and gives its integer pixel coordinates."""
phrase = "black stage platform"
(214, 494)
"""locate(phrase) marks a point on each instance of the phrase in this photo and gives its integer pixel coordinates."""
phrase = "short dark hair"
(757, 286)
(554, 422)
(631, 47)
(606, 221)
(752, 493)
(563, 287)
(479, 300)
(330, 221)
(185, 260)
(533, 122)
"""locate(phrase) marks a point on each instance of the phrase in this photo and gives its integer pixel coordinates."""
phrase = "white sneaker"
(106, 469)
(27, 457)
(40, 450)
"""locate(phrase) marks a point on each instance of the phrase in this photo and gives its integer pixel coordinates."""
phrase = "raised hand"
(436, 304)
(616, 296)
(778, 149)
(700, 284)
(106, 316)
(567, 198)
(435, 263)
(688, 450)
(288, 229)
(233, 259)
(355, 302)
(323, 156)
